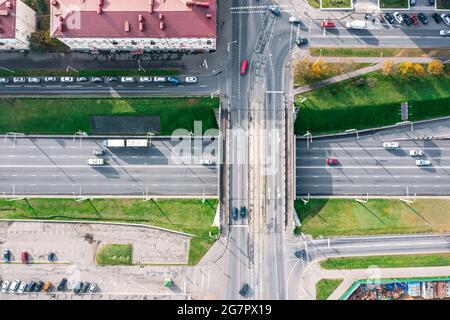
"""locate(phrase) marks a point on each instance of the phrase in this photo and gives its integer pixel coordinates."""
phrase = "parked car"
(431, 2)
(38, 286)
(390, 18)
(66, 79)
(234, 213)
(398, 17)
(390, 145)
(416, 153)
(243, 211)
(126, 79)
(422, 163)
(30, 286)
(332, 161)
(6, 255)
(5, 286)
(444, 33)
(78, 287)
(206, 162)
(97, 79)
(93, 288)
(191, 79)
(51, 256)
(24, 257)
(82, 79)
(294, 20)
(34, 80)
(14, 286)
(4, 80)
(423, 18)
(301, 42)
(369, 17)
(50, 79)
(21, 288)
(446, 19)
(244, 289)
(407, 19)
(414, 19)
(47, 286)
(112, 79)
(412, 3)
(19, 80)
(437, 18)
(85, 287)
(62, 285)
(159, 79)
(173, 80)
(275, 10)
(327, 24)
(145, 79)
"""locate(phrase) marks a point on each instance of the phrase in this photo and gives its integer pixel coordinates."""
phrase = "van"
(355, 24)
(95, 162)
(244, 66)
(390, 145)
(47, 286)
(127, 79)
(294, 20)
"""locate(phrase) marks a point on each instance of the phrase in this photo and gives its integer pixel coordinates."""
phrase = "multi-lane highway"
(57, 166)
(365, 166)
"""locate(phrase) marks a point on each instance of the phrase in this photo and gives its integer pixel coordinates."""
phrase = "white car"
(4, 80)
(206, 161)
(390, 145)
(159, 79)
(93, 288)
(14, 285)
(422, 163)
(126, 79)
(5, 286)
(95, 161)
(34, 80)
(294, 19)
(50, 79)
(398, 17)
(19, 80)
(446, 19)
(22, 287)
(145, 79)
(191, 79)
(416, 153)
(66, 79)
(444, 33)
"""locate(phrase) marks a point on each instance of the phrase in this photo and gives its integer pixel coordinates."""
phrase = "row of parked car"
(25, 257)
(236, 212)
(147, 79)
(21, 287)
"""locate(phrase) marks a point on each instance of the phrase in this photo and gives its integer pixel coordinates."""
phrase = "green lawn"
(376, 52)
(314, 3)
(68, 115)
(443, 4)
(88, 73)
(325, 287)
(393, 4)
(345, 105)
(336, 3)
(394, 261)
(339, 217)
(114, 254)
(190, 216)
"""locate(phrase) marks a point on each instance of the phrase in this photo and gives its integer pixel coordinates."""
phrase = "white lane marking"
(108, 166)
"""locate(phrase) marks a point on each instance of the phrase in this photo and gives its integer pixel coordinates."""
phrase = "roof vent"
(150, 6)
(208, 15)
(54, 3)
(99, 10)
(8, 4)
(141, 26)
(140, 18)
(161, 25)
(161, 16)
(60, 18)
(4, 12)
(126, 26)
(61, 26)
(100, 3)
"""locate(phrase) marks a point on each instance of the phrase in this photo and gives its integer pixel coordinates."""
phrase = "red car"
(332, 161)
(414, 19)
(24, 257)
(327, 24)
(244, 66)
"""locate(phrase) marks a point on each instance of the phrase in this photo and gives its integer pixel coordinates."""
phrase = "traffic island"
(114, 254)
(393, 4)
(336, 4)
(325, 287)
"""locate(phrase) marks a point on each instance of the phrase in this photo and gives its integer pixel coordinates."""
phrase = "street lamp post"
(308, 136)
(353, 130)
(406, 122)
(229, 45)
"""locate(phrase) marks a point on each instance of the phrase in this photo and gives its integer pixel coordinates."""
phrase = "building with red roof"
(17, 22)
(134, 25)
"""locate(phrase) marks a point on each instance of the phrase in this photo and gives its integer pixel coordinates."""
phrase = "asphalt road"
(366, 167)
(58, 167)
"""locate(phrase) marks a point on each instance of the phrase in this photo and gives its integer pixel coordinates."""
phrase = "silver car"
(14, 285)
(422, 163)
(4, 80)
(444, 33)
(19, 80)
(34, 80)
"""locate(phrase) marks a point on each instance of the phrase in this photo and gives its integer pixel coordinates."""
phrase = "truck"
(137, 143)
(114, 143)
(356, 24)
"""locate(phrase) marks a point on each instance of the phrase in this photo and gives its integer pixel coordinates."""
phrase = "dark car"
(78, 287)
(85, 287)
(275, 10)
(62, 285)
(234, 213)
(244, 289)
(431, 2)
(436, 17)
(302, 254)
(390, 18)
(51, 257)
(38, 287)
(6, 255)
(30, 286)
(173, 80)
(423, 18)
(243, 212)
(301, 42)
(369, 17)
(407, 19)
(414, 19)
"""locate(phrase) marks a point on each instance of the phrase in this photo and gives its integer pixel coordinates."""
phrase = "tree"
(418, 69)
(405, 68)
(388, 67)
(318, 68)
(435, 67)
(41, 7)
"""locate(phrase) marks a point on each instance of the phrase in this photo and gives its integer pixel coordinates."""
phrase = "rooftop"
(133, 18)
(7, 19)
